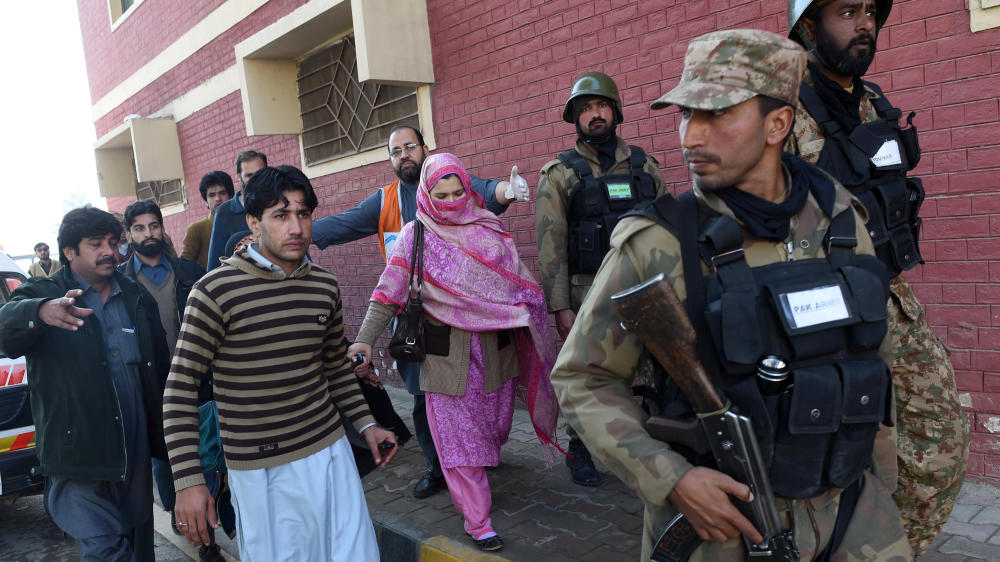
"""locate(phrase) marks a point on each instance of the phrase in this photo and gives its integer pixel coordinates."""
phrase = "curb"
(406, 545)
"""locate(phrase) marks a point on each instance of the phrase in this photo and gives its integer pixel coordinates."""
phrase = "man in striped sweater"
(269, 325)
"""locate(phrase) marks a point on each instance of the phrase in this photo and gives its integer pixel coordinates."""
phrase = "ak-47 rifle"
(652, 311)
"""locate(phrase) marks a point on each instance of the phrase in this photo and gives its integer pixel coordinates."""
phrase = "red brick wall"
(503, 71)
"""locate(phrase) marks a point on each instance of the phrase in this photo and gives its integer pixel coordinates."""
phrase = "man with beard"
(169, 281)
(97, 361)
(45, 266)
(847, 127)
(581, 195)
(759, 233)
(384, 213)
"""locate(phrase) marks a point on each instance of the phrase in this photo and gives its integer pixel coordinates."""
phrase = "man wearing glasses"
(385, 212)
(45, 266)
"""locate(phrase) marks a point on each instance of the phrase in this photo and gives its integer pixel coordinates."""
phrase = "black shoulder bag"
(407, 343)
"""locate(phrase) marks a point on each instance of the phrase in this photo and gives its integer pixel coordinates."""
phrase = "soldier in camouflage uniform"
(933, 435)
(736, 95)
(581, 194)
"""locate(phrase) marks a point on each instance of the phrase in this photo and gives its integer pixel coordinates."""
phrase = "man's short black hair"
(246, 156)
(767, 104)
(40, 244)
(141, 208)
(420, 136)
(83, 223)
(268, 186)
(215, 178)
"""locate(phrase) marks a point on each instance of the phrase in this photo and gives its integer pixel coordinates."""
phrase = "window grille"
(342, 116)
(163, 193)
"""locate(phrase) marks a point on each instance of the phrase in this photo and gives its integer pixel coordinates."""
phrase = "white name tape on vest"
(888, 155)
(816, 306)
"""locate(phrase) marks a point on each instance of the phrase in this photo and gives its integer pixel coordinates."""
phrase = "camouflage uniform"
(933, 434)
(595, 369)
(563, 290)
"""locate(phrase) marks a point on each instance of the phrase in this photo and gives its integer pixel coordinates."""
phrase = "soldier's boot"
(581, 466)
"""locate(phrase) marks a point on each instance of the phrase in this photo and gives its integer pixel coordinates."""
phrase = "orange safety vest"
(390, 219)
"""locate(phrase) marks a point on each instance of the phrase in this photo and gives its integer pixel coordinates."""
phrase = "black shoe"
(428, 486)
(581, 466)
(210, 553)
(490, 544)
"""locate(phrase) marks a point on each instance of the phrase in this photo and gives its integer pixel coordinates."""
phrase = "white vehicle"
(17, 430)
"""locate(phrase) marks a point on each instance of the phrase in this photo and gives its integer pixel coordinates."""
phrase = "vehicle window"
(10, 282)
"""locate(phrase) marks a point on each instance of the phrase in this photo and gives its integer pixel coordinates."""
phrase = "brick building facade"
(501, 73)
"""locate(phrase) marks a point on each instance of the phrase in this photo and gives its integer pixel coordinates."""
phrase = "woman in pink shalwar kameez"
(491, 329)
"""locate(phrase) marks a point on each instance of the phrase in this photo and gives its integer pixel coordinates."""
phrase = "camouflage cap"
(725, 68)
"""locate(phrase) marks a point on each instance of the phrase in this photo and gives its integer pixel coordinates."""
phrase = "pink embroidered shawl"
(474, 280)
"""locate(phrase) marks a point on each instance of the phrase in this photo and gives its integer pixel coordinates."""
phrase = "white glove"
(517, 188)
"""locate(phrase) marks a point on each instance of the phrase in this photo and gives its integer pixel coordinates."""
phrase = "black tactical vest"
(872, 161)
(825, 317)
(596, 204)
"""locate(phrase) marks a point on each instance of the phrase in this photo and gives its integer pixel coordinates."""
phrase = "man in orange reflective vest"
(384, 212)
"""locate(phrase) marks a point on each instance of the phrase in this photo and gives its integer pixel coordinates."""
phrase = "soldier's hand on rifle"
(564, 321)
(702, 495)
(61, 312)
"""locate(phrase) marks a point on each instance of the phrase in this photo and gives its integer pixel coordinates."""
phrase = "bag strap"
(417, 258)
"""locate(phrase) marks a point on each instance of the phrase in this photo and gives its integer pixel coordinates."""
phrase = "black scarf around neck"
(606, 145)
(844, 106)
(771, 220)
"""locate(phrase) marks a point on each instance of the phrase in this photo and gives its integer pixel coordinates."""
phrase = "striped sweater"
(277, 352)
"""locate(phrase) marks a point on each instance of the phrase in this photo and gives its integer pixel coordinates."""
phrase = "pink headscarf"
(475, 281)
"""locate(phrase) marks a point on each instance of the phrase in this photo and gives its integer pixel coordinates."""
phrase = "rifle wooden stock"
(652, 311)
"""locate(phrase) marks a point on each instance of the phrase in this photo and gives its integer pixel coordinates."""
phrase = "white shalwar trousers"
(310, 509)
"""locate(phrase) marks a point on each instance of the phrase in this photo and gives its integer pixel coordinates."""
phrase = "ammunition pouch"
(872, 161)
(597, 203)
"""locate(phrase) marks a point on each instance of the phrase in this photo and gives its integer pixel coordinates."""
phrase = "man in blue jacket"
(384, 212)
(97, 362)
(230, 222)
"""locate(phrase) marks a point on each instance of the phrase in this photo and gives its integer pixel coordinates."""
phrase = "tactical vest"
(826, 317)
(872, 161)
(596, 204)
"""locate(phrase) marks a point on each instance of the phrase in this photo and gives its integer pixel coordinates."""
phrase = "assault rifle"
(651, 311)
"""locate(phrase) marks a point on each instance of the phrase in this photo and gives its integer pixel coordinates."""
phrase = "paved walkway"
(542, 515)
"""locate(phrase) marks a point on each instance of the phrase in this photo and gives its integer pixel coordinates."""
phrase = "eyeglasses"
(409, 147)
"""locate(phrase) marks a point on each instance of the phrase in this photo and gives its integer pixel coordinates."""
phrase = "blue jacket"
(230, 218)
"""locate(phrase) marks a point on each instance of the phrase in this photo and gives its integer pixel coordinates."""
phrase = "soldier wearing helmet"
(847, 127)
(760, 229)
(581, 194)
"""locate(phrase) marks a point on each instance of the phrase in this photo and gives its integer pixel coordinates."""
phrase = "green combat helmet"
(593, 84)
(797, 8)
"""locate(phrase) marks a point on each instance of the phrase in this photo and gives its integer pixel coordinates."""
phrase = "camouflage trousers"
(933, 434)
(874, 534)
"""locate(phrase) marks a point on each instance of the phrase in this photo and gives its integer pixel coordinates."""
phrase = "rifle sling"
(848, 501)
